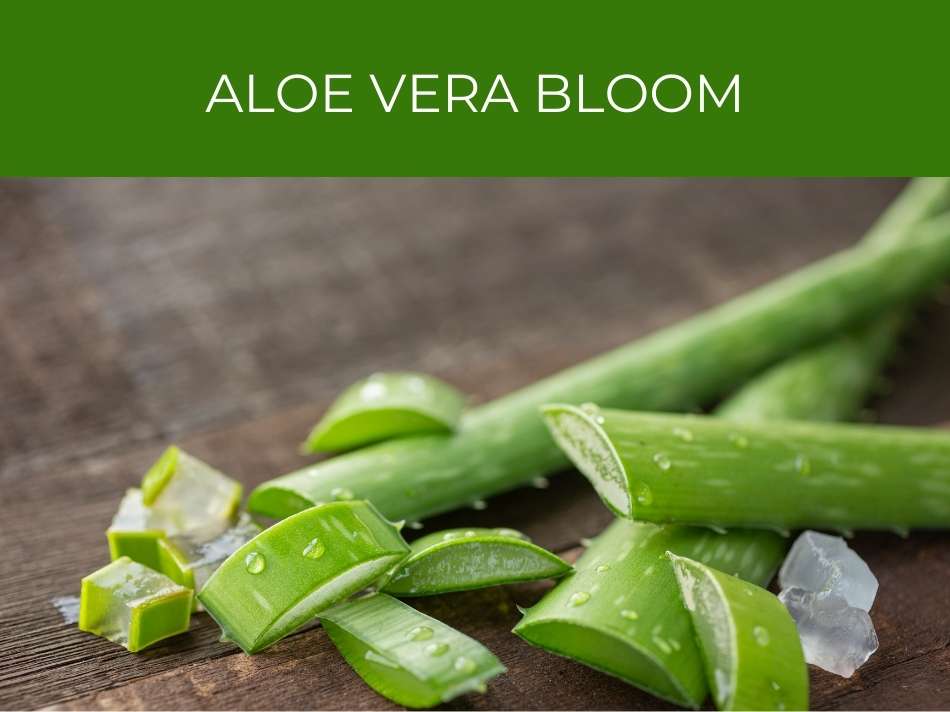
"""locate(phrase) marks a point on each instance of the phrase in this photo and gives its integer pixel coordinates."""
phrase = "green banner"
(474, 89)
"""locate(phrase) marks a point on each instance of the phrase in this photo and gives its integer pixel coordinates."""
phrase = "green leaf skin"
(463, 559)
(692, 469)
(748, 640)
(159, 474)
(386, 406)
(405, 655)
(132, 605)
(302, 565)
(619, 611)
(504, 444)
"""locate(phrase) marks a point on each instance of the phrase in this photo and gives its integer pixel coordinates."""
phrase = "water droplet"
(254, 562)
(716, 528)
(578, 599)
(775, 686)
(480, 687)
(540, 483)
(375, 657)
(761, 635)
(662, 461)
(684, 434)
(629, 614)
(470, 532)
(435, 650)
(463, 664)
(643, 494)
(314, 549)
(740, 441)
(503, 531)
(603, 568)
(802, 465)
(341, 494)
(448, 536)
(479, 504)
(590, 408)
(420, 632)
(415, 525)
(675, 643)
(662, 644)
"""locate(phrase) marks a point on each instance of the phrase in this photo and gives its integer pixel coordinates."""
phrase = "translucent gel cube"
(826, 564)
(132, 605)
(186, 494)
(835, 636)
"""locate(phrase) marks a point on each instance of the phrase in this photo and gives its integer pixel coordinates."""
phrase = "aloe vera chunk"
(132, 605)
(619, 611)
(184, 493)
(463, 559)
(750, 646)
(385, 406)
(504, 444)
(405, 655)
(693, 469)
(287, 574)
(136, 531)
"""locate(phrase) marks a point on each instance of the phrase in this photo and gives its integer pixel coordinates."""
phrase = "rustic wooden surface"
(225, 315)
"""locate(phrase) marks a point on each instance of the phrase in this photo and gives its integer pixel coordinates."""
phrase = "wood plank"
(226, 315)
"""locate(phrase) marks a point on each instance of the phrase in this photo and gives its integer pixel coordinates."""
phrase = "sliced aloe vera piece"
(463, 559)
(132, 605)
(385, 406)
(405, 655)
(300, 566)
(697, 469)
(184, 493)
(749, 644)
(619, 612)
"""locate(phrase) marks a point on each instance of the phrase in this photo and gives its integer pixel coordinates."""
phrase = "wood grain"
(225, 315)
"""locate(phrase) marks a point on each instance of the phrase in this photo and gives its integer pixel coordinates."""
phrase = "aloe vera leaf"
(302, 565)
(463, 559)
(504, 444)
(693, 469)
(385, 406)
(132, 605)
(405, 655)
(619, 611)
(749, 643)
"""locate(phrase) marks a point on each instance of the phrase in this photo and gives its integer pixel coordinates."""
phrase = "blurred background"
(226, 315)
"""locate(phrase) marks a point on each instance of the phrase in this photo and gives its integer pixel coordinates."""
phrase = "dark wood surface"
(225, 316)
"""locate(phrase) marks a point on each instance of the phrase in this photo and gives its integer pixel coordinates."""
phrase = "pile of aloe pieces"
(671, 597)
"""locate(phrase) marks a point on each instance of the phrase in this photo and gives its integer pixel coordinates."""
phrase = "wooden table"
(224, 316)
